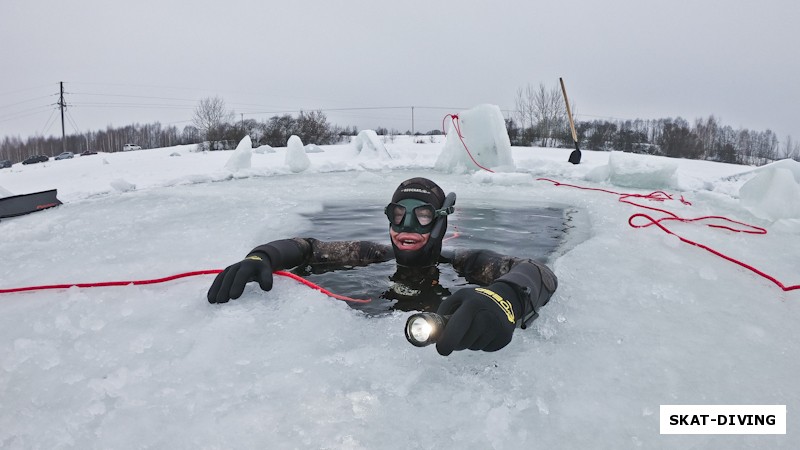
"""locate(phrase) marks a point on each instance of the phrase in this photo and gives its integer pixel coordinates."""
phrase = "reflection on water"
(533, 232)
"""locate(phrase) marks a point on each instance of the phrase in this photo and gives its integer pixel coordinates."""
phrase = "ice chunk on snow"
(240, 159)
(263, 148)
(773, 194)
(369, 146)
(314, 148)
(502, 179)
(122, 185)
(296, 157)
(483, 131)
(636, 171)
(788, 164)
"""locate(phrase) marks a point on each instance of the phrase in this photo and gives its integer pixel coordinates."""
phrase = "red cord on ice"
(175, 277)
(727, 224)
(456, 234)
(457, 127)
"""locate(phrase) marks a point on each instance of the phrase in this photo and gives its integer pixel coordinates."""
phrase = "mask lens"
(396, 213)
(411, 216)
(425, 215)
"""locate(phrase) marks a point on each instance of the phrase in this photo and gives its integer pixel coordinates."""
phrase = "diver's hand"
(230, 283)
(482, 319)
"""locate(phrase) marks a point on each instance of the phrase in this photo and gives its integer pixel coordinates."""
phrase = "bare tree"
(542, 114)
(211, 116)
(550, 113)
(791, 149)
(525, 106)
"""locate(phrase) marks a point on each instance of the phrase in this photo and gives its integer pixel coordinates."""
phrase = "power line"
(24, 90)
(26, 101)
(72, 122)
(133, 96)
(128, 105)
(48, 123)
(21, 114)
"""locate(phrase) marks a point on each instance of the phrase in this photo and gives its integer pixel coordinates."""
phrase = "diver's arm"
(533, 281)
(484, 318)
(290, 253)
(282, 254)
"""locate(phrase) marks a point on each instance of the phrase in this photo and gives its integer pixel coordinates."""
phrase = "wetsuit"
(418, 288)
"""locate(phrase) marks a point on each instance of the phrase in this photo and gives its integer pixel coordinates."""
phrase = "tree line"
(540, 119)
(215, 132)
(109, 140)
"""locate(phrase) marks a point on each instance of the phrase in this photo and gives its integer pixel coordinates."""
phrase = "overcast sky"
(144, 61)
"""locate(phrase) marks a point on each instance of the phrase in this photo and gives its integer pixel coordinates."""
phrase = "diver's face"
(408, 241)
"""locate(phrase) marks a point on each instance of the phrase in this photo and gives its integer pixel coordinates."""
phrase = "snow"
(640, 319)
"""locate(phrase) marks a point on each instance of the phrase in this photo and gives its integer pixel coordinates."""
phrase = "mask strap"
(448, 205)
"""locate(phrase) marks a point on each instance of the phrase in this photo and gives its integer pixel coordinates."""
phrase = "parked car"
(65, 155)
(5, 163)
(36, 159)
(129, 147)
(88, 152)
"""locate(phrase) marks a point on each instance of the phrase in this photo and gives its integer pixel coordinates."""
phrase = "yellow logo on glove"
(502, 303)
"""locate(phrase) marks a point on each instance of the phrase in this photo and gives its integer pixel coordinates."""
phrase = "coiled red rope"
(175, 277)
(660, 196)
(457, 127)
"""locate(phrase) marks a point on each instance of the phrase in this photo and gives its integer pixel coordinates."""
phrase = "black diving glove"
(230, 283)
(482, 318)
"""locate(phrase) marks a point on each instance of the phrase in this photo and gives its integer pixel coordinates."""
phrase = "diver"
(483, 318)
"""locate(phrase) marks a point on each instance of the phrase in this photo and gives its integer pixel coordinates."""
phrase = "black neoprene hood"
(421, 189)
(427, 191)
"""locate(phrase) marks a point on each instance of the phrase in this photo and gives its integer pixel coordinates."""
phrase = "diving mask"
(414, 216)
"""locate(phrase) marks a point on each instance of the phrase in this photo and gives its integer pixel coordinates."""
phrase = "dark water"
(532, 232)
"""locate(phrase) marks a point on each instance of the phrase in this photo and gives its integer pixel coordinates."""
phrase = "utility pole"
(412, 120)
(62, 105)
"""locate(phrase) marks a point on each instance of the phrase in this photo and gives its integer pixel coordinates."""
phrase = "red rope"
(663, 196)
(457, 127)
(175, 277)
(456, 234)
(319, 288)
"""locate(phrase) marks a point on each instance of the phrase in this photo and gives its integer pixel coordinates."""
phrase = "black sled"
(18, 205)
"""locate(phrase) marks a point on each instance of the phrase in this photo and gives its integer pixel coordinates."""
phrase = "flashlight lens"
(420, 329)
(424, 328)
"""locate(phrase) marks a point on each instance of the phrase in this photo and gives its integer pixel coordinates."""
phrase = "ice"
(640, 319)
(240, 158)
(314, 148)
(787, 164)
(483, 136)
(773, 194)
(263, 148)
(296, 157)
(368, 146)
(122, 185)
(637, 171)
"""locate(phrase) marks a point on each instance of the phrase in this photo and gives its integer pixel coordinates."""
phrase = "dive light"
(425, 328)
